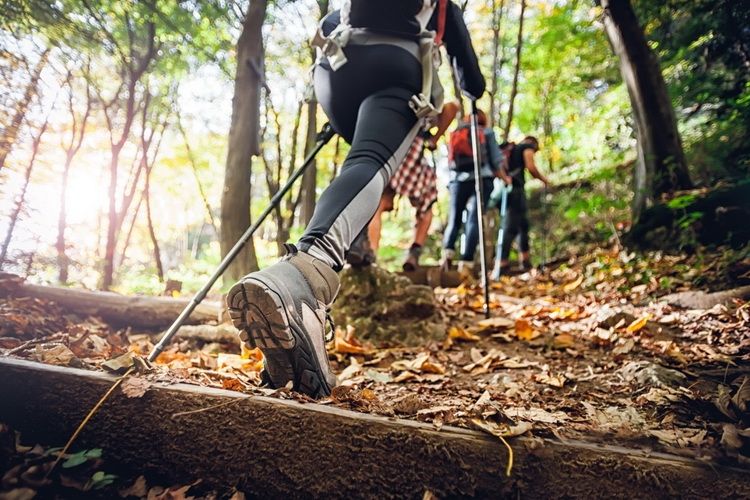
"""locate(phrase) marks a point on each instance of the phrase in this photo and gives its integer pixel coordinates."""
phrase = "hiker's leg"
(472, 224)
(376, 224)
(511, 226)
(523, 233)
(459, 192)
(384, 130)
(422, 227)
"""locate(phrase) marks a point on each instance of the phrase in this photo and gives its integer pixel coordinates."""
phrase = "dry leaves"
(134, 387)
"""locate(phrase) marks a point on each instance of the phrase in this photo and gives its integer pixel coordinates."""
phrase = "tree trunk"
(62, 257)
(516, 70)
(119, 310)
(109, 249)
(309, 179)
(243, 141)
(10, 133)
(497, 62)
(151, 232)
(22, 196)
(78, 131)
(661, 166)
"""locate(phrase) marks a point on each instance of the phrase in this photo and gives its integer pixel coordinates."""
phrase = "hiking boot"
(499, 270)
(283, 311)
(525, 265)
(447, 261)
(360, 252)
(412, 259)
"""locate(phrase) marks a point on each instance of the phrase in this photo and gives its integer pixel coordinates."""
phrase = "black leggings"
(367, 102)
(515, 223)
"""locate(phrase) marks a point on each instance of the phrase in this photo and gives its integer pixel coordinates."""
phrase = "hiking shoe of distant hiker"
(447, 261)
(499, 270)
(412, 259)
(525, 266)
(360, 253)
(283, 311)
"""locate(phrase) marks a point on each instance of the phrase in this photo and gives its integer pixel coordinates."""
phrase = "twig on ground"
(207, 408)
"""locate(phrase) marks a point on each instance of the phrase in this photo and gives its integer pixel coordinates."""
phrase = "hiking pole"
(480, 203)
(544, 229)
(325, 135)
(498, 271)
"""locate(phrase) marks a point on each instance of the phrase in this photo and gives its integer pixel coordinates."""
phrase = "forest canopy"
(115, 117)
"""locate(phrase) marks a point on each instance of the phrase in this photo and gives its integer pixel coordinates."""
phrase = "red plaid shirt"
(415, 178)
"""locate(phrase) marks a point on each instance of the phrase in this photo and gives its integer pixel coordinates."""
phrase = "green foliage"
(100, 480)
(81, 457)
(703, 46)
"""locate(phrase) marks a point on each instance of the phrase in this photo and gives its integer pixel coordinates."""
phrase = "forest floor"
(590, 350)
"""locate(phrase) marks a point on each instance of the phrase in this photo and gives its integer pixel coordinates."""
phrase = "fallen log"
(210, 333)
(706, 300)
(118, 310)
(272, 448)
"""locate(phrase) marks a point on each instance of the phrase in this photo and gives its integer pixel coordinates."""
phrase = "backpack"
(398, 17)
(506, 149)
(460, 153)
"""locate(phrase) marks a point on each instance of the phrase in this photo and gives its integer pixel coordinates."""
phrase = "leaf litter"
(584, 351)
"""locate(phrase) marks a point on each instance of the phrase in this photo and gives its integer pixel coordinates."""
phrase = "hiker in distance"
(462, 190)
(374, 81)
(416, 180)
(515, 224)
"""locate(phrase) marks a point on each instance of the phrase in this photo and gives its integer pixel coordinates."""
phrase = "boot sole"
(258, 311)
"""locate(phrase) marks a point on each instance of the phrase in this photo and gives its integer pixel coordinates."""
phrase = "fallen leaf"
(680, 437)
(232, 384)
(563, 341)
(573, 284)
(134, 387)
(137, 489)
(354, 368)
(57, 354)
(420, 364)
(536, 415)
(459, 333)
(344, 347)
(236, 362)
(552, 380)
(120, 364)
(495, 323)
(638, 324)
(524, 331)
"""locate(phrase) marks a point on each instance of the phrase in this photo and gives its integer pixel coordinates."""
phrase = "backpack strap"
(442, 10)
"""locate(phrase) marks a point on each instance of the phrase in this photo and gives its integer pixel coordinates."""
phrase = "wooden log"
(698, 299)
(210, 333)
(119, 310)
(272, 448)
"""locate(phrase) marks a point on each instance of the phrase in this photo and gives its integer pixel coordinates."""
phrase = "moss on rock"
(385, 308)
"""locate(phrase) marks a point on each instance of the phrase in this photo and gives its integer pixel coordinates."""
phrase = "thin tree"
(194, 167)
(244, 140)
(276, 172)
(134, 62)
(71, 146)
(497, 61)
(153, 123)
(20, 202)
(10, 132)
(661, 166)
(309, 179)
(516, 71)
